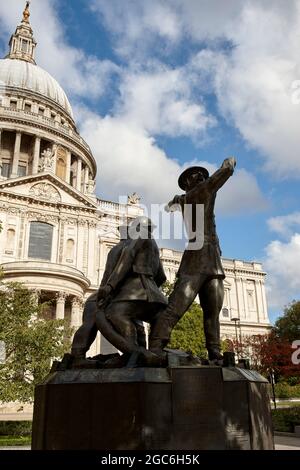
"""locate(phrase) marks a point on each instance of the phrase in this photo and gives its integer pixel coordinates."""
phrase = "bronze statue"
(200, 271)
(131, 292)
(86, 334)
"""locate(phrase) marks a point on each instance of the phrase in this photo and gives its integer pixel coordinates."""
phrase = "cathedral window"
(41, 111)
(251, 300)
(6, 170)
(10, 241)
(27, 108)
(61, 168)
(225, 312)
(13, 104)
(228, 345)
(24, 45)
(70, 251)
(40, 240)
(21, 170)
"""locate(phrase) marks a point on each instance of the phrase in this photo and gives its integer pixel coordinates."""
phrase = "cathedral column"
(78, 174)
(264, 300)
(76, 312)
(36, 155)
(68, 167)
(15, 163)
(86, 179)
(60, 305)
(54, 149)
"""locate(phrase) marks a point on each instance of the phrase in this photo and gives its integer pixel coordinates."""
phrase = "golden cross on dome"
(26, 13)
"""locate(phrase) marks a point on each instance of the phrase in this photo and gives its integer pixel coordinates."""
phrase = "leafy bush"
(284, 390)
(31, 341)
(15, 428)
(293, 380)
(188, 334)
(285, 419)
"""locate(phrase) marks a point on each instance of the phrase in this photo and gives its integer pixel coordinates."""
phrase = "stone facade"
(56, 232)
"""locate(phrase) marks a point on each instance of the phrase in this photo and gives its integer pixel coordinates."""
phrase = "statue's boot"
(215, 357)
(80, 361)
(78, 353)
(145, 358)
(157, 346)
(214, 354)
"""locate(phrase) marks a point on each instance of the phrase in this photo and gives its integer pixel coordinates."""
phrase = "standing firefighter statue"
(200, 272)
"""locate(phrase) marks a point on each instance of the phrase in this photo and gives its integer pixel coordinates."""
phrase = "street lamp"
(236, 320)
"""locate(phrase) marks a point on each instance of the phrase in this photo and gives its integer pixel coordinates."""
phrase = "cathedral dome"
(27, 76)
(37, 129)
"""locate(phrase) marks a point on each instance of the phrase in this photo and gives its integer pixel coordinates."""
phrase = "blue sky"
(157, 85)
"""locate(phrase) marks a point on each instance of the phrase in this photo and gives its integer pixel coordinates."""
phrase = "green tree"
(188, 334)
(287, 327)
(31, 342)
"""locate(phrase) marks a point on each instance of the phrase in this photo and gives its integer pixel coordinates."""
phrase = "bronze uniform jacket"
(206, 260)
(112, 259)
(138, 273)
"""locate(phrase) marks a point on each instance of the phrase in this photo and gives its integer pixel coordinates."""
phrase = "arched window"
(27, 107)
(225, 312)
(70, 250)
(61, 168)
(40, 240)
(10, 241)
(228, 345)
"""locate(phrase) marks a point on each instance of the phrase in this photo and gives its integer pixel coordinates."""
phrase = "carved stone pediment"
(45, 191)
(109, 232)
(47, 187)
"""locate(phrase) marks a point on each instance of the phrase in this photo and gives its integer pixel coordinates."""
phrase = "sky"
(159, 85)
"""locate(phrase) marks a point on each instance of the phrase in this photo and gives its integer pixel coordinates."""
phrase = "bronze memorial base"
(174, 408)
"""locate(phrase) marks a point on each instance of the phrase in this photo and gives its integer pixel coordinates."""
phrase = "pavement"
(281, 443)
(287, 443)
(15, 448)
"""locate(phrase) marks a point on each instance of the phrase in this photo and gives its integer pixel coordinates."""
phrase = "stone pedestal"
(179, 408)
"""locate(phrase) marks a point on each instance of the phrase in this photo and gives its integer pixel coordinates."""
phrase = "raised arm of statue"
(174, 204)
(216, 181)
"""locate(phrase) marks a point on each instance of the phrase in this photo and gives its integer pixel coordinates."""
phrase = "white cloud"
(154, 99)
(252, 78)
(282, 265)
(129, 160)
(160, 100)
(253, 81)
(135, 24)
(241, 192)
(285, 224)
(78, 73)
